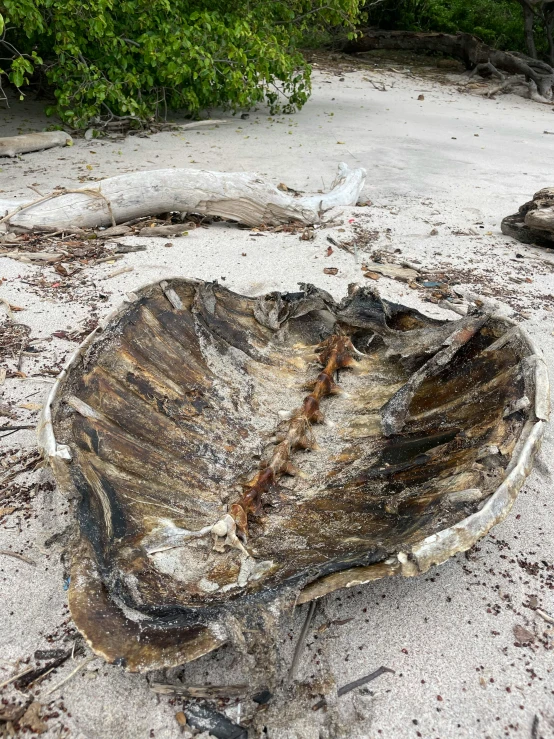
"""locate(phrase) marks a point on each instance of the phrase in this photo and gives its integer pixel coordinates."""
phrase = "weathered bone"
(335, 353)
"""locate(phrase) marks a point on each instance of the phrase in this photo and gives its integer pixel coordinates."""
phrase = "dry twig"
(355, 684)
(545, 616)
(302, 638)
(74, 672)
(16, 555)
(16, 677)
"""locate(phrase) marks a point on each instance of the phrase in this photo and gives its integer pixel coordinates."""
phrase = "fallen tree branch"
(486, 67)
(202, 124)
(504, 86)
(237, 196)
(473, 52)
(131, 124)
(11, 146)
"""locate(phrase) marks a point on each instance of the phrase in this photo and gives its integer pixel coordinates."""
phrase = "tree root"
(474, 53)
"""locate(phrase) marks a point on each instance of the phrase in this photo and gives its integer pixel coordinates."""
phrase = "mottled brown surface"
(172, 410)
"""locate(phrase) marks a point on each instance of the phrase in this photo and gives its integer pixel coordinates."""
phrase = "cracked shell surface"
(180, 399)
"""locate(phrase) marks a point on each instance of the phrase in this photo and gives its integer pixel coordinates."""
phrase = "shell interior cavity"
(231, 456)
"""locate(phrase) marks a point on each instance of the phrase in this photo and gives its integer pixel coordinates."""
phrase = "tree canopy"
(139, 58)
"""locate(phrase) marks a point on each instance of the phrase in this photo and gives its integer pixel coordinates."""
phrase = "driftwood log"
(237, 196)
(474, 53)
(534, 221)
(11, 146)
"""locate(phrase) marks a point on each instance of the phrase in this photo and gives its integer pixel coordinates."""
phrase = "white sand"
(451, 162)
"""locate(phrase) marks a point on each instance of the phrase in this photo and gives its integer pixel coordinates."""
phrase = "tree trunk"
(237, 196)
(548, 19)
(528, 31)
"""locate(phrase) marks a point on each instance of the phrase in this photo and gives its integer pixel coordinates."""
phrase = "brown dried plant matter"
(334, 353)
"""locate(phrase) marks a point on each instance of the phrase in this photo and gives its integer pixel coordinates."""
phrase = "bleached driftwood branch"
(11, 146)
(238, 196)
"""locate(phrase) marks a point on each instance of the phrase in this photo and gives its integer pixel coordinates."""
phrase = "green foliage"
(498, 22)
(23, 15)
(139, 58)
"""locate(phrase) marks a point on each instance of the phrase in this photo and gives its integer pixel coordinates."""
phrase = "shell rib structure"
(231, 456)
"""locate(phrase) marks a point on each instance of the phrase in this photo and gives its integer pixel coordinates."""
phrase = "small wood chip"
(31, 718)
(172, 230)
(199, 691)
(109, 233)
(30, 406)
(372, 275)
(331, 271)
(13, 711)
(181, 718)
(394, 271)
(545, 616)
(120, 271)
(523, 635)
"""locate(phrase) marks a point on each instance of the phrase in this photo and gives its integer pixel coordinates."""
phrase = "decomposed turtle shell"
(232, 455)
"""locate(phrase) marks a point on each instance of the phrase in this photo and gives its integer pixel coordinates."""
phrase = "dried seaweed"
(16, 483)
(13, 341)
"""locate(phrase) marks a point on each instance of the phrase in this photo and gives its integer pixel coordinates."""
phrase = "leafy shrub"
(140, 58)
